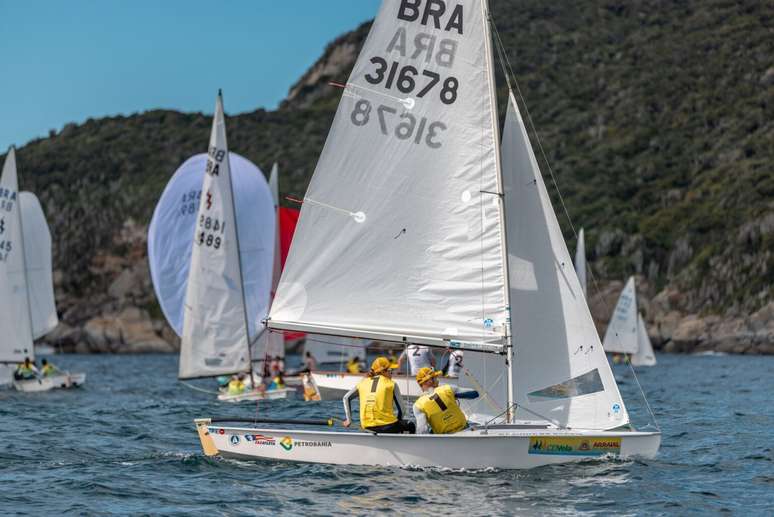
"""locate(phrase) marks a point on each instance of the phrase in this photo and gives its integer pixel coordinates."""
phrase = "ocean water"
(125, 444)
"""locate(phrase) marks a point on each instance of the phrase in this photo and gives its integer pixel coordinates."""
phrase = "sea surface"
(125, 444)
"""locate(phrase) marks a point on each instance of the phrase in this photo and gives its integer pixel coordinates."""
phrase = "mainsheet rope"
(509, 74)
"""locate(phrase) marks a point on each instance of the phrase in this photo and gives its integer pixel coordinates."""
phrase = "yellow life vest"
(442, 411)
(376, 394)
(277, 383)
(236, 387)
(25, 370)
(353, 367)
(48, 370)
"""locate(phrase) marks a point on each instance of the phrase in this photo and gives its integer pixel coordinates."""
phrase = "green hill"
(656, 118)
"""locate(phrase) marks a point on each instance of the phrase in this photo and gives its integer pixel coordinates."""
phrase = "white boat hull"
(334, 385)
(64, 380)
(505, 447)
(257, 395)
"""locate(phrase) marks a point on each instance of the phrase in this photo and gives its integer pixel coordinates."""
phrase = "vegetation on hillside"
(657, 118)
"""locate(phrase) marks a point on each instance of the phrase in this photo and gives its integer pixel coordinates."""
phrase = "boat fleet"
(424, 226)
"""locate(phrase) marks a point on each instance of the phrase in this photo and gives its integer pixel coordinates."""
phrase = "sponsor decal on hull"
(259, 439)
(288, 443)
(574, 446)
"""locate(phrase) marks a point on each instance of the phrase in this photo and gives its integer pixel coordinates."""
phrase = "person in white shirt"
(418, 357)
(454, 365)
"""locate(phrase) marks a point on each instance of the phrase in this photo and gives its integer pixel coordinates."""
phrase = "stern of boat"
(208, 444)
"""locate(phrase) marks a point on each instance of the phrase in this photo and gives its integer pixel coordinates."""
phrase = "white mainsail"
(621, 334)
(215, 329)
(645, 355)
(560, 370)
(400, 234)
(37, 254)
(580, 261)
(15, 323)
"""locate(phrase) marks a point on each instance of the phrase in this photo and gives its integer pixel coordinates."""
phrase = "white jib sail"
(399, 234)
(15, 324)
(37, 253)
(215, 334)
(560, 368)
(272, 344)
(645, 355)
(580, 261)
(621, 333)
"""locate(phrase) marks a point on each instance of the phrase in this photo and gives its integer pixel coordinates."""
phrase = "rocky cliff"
(657, 118)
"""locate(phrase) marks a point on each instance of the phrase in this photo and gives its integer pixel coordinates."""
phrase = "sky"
(66, 61)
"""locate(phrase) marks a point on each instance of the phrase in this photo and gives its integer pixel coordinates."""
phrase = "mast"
(239, 253)
(501, 194)
(23, 255)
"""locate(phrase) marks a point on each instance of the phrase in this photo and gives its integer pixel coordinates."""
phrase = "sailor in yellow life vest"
(353, 365)
(438, 408)
(47, 369)
(26, 370)
(237, 385)
(378, 393)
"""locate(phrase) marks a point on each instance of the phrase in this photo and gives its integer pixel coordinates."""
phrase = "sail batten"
(400, 227)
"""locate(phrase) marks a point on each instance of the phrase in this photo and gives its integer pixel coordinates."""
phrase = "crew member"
(237, 385)
(26, 370)
(437, 409)
(418, 357)
(47, 369)
(378, 393)
(393, 360)
(454, 364)
(277, 383)
(353, 365)
(310, 363)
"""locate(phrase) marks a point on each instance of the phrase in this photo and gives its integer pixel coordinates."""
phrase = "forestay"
(560, 370)
(37, 253)
(14, 307)
(172, 228)
(400, 230)
(580, 262)
(215, 330)
(621, 334)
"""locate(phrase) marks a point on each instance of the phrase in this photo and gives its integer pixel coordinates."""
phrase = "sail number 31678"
(407, 128)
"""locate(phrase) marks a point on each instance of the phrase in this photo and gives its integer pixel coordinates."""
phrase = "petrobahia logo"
(287, 443)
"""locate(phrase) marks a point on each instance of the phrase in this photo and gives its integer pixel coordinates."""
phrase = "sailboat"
(419, 226)
(217, 330)
(580, 261)
(27, 288)
(626, 333)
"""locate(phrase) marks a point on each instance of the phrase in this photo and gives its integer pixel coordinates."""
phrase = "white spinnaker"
(621, 333)
(560, 368)
(215, 334)
(15, 326)
(399, 233)
(37, 252)
(645, 355)
(172, 228)
(580, 261)
(272, 344)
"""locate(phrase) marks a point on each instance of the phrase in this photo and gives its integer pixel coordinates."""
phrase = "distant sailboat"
(580, 262)
(403, 238)
(28, 310)
(626, 333)
(217, 333)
